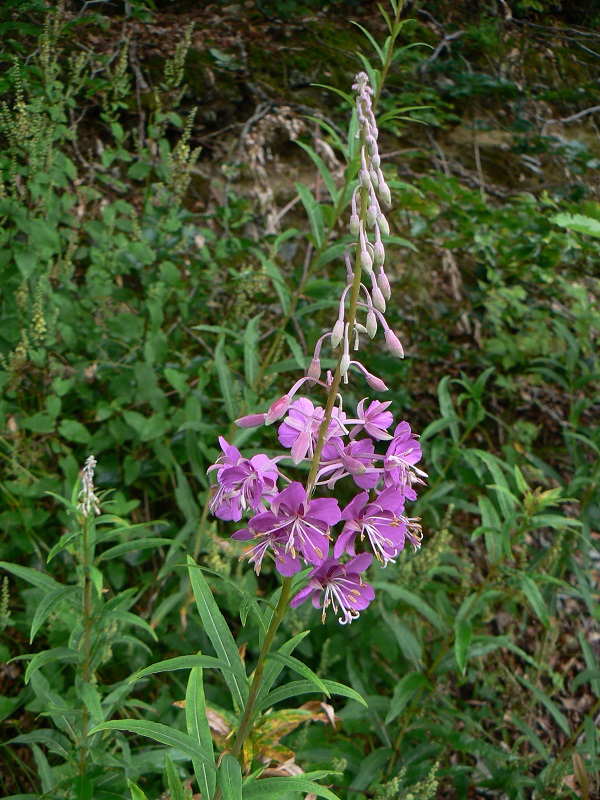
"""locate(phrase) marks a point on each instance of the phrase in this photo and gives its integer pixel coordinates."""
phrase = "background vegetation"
(172, 224)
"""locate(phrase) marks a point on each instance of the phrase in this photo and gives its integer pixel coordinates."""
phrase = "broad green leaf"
(301, 668)
(225, 378)
(296, 688)
(412, 599)
(230, 778)
(48, 605)
(219, 634)
(199, 730)
(164, 734)
(38, 579)
(536, 600)
(274, 788)
(577, 222)
(404, 691)
(175, 788)
(315, 215)
(323, 171)
(62, 654)
(189, 662)
(463, 633)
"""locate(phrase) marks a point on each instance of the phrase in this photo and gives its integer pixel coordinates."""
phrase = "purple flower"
(287, 563)
(355, 459)
(374, 420)
(298, 526)
(242, 483)
(343, 588)
(381, 521)
(300, 429)
(403, 453)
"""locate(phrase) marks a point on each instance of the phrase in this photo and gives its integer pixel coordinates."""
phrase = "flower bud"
(378, 254)
(354, 225)
(353, 465)
(251, 421)
(383, 224)
(371, 143)
(384, 191)
(371, 215)
(378, 299)
(384, 284)
(371, 324)
(393, 343)
(375, 382)
(376, 161)
(366, 261)
(374, 179)
(365, 180)
(278, 409)
(314, 371)
(344, 364)
(337, 334)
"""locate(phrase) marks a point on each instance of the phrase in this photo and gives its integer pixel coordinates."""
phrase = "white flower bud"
(378, 253)
(366, 261)
(384, 193)
(314, 371)
(337, 334)
(344, 364)
(373, 179)
(365, 179)
(371, 143)
(371, 215)
(383, 224)
(378, 299)
(384, 284)
(354, 225)
(371, 324)
(393, 344)
(376, 161)
(375, 383)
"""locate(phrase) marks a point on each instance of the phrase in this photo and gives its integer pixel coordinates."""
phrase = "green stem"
(87, 639)
(246, 721)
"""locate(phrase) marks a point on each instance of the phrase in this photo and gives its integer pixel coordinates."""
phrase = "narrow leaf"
(175, 787)
(404, 691)
(188, 662)
(296, 688)
(48, 606)
(533, 594)
(225, 380)
(463, 634)
(230, 778)
(301, 668)
(274, 788)
(199, 730)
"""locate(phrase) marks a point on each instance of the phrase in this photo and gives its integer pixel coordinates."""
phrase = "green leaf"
(370, 768)
(189, 662)
(404, 691)
(591, 663)
(62, 654)
(225, 378)
(137, 544)
(277, 279)
(199, 730)
(447, 408)
(548, 704)
(147, 428)
(48, 605)
(91, 697)
(315, 215)
(577, 222)
(323, 171)
(164, 734)
(295, 688)
(175, 787)
(536, 600)
(74, 431)
(274, 788)
(301, 668)
(406, 639)
(463, 633)
(230, 778)
(219, 634)
(44, 770)
(412, 599)
(374, 44)
(38, 579)
(136, 792)
(251, 350)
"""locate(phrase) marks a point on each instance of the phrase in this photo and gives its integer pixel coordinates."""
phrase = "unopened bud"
(393, 344)
(374, 179)
(251, 421)
(337, 334)
(378, 253)
(278, 409)
(366, 261)
(378, 299)
(314, 371)
(376, 161)
(383, 224)
(344, 364)
(371, 143)
(365, 180)
(384, 193)
(375, 382)
(354, 225)
(371, 215)
(353, 465)
(384, 284)
(371, 324)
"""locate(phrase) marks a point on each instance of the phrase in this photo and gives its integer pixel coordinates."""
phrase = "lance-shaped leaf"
(188, 662)
(175, 787)
(274, 788)
(48, 606)
(230, 778)
(296, 688)
(220, 635)
(198, 728)
(301, 668)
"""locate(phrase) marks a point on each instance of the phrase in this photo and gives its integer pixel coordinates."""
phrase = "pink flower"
(300, 429)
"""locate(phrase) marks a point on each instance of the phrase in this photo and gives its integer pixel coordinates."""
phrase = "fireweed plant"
(321, 551)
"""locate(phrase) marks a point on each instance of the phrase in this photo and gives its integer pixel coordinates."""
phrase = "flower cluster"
(285, 520)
